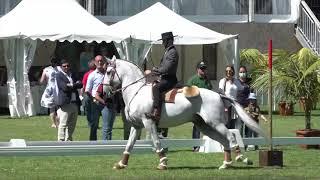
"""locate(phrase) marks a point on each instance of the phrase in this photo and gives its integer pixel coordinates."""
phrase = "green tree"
(294, 74)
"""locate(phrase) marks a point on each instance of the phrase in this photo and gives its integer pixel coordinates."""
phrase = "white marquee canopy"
(54, 20)
(150, 23)
(146, 27)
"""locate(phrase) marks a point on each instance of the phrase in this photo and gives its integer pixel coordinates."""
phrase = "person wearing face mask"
(242, 95)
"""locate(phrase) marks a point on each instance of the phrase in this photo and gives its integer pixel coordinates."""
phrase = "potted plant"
(258, 64)
(296, 75)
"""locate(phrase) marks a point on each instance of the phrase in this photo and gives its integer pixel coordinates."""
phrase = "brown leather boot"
(154, 115)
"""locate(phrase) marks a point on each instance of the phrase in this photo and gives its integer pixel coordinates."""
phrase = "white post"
(251, 11)
(236, 60)
(90, 6)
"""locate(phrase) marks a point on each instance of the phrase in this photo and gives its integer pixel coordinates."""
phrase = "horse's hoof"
(119, 166)
(162, 167)
(239, 158)
(247, 161)
(225, 165)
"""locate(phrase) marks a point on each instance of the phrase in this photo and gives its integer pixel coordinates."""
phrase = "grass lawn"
(183, 163)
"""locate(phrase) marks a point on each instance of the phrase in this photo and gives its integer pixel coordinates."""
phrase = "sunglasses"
(100, 61)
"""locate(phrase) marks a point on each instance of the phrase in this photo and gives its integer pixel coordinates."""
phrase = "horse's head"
(112, 81)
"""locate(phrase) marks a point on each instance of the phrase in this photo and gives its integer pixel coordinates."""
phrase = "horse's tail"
(249, 122)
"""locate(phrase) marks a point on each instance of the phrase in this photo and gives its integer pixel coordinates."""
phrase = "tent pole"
(90, 6)
(236, 55)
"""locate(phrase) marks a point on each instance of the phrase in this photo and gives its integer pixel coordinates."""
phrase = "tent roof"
(157, 19)
(54, 20)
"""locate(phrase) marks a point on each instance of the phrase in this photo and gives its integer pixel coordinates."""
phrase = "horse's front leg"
(123, 163)
(152, 128)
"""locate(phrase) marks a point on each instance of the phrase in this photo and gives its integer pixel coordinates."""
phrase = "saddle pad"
(170, 95)
(192, 91)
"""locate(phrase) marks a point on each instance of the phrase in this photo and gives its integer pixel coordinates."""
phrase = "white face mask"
(243, 75)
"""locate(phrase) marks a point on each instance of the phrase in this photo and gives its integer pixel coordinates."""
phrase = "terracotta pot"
(308, 133)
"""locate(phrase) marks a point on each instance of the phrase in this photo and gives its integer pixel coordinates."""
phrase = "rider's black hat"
(167, 35)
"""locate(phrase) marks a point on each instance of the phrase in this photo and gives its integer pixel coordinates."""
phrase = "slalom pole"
(270, 92)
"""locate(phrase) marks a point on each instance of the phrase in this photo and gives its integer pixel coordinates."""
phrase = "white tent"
(150, 23)
(145, 28)
(55, 20)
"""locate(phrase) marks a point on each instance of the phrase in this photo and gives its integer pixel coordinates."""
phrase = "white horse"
(206, 111)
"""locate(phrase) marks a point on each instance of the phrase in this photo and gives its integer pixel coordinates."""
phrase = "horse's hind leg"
(151, 127)
(222, 134)
(123, 163)
(221, 138)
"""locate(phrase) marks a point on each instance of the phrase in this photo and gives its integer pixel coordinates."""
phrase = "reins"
(124, 88)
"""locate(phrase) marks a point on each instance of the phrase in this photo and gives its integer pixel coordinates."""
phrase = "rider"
(167, 71)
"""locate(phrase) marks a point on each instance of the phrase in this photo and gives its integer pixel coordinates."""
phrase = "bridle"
(114, 73)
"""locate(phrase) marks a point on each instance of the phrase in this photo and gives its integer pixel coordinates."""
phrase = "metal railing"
(308, 27)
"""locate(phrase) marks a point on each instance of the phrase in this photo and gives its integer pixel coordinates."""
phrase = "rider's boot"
(154, 115)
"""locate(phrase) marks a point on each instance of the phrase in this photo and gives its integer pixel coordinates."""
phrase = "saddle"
(188, 91)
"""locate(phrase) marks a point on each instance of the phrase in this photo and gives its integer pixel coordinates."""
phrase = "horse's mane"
(131, 64)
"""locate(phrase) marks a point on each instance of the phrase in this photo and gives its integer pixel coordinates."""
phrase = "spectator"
(108, 112)
(94, 80)
(47, 100)
(230, 86)
(68, 102)
(201, 80)
(243, 94)
(254, 111)
(87, 97)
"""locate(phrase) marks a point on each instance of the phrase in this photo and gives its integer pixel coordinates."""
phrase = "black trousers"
(164, 85)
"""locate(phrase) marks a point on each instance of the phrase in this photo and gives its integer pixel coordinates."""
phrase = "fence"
(20, 147)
